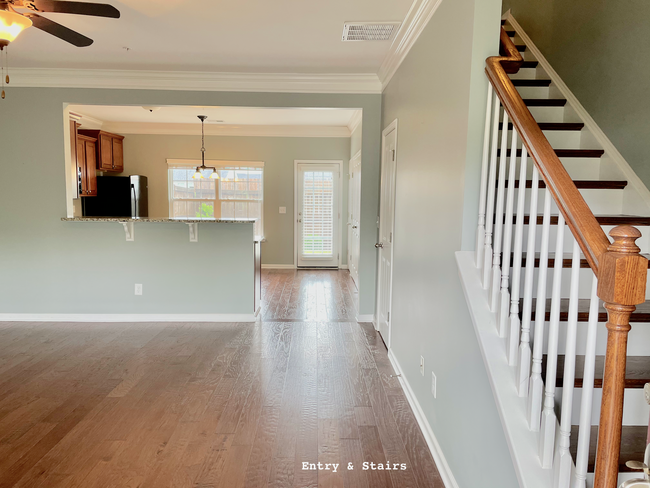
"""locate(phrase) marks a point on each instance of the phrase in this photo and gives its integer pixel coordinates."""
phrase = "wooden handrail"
(578, 216)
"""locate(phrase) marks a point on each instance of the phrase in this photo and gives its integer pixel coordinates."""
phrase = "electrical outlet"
(422, 365)
(138, 289)
(283, 210)
(434, 384)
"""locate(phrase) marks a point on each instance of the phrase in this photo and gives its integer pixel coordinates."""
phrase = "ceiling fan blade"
(60, 31)
(80, 8)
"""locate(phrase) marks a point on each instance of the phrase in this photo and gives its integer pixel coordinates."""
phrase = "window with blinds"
(318, 213)
(237, 194)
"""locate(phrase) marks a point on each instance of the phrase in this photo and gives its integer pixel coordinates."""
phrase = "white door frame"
(392, 126)
(296, 162)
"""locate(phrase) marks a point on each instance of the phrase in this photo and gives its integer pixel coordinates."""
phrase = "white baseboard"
(127, 317)
(343, 266)
(439, 458)
(278, 266)
(366, 318)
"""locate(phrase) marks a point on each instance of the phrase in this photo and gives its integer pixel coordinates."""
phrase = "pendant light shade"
(11, 24)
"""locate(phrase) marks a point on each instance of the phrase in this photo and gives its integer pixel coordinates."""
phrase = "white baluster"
(498, 215)
(547, 429)
(584, 431)
(536, 382)
(504, 301)
(513, 329)
(523, 364)
(489, 209)
(480, 230)
(563, 461)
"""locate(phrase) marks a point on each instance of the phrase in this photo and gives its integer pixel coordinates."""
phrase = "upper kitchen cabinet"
(110, 152)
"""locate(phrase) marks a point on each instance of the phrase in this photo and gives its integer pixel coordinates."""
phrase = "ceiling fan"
(17, 15)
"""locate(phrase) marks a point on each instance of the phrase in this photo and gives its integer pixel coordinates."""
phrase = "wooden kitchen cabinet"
(86, 165)
(109, 150)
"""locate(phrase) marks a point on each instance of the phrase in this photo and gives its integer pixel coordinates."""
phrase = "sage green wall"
(600, 49)
(147, 155)
(431, 96)
(53, 266)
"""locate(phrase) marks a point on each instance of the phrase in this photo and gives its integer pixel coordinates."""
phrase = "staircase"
(543, 265)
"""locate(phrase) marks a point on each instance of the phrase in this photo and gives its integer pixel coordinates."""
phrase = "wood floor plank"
(215, 405)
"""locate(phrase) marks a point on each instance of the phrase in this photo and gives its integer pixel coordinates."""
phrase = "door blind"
(318, 213)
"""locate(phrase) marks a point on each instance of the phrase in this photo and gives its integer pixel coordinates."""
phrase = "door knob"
(299, 220)
(354, 226)
(379, 244)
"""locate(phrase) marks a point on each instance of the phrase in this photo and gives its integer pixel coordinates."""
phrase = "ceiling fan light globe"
(12, 24)
(214, 175)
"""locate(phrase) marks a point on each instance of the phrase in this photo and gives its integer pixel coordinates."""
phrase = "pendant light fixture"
(11, 24)
(199, 169)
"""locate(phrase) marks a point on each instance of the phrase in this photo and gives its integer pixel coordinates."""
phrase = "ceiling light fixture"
(11, 24)
(199, 169)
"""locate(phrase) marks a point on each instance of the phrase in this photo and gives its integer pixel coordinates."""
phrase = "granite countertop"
(160, 219)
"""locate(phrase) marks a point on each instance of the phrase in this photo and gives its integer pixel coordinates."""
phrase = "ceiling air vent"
(369, 31)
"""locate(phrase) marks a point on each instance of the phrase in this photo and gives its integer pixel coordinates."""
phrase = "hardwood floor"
(210, 404)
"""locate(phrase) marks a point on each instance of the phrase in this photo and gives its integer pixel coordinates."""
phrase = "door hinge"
(388, 320)
(393, 154)
(391, 237)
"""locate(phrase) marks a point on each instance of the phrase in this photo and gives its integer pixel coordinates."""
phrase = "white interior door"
(386, 220)
(318, 217)
(354, 210)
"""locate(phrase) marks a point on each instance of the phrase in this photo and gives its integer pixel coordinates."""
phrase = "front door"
(318, 215)
(386, 219)
(354, 210)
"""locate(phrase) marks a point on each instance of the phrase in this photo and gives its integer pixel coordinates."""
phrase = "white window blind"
(237, 194)
(318, 218)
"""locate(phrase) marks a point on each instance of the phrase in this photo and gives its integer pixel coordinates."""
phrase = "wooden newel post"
(621, 285)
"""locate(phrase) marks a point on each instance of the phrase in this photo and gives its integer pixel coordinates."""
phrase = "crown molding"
(355, 121)
(416, 20)
(358, 83)
(227, 130)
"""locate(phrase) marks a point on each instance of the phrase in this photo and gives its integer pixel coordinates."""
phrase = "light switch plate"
(138, 289)
(283, 210)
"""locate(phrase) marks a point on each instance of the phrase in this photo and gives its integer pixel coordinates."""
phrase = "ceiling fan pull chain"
(2, 65)
(7, 64)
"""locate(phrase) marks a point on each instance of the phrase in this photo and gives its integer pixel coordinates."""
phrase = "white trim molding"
(197, 81)
(370, 318)
(439, 458)
(226, 129)
(127, 317)
(278, 266)
(355, 121)
(416, 20)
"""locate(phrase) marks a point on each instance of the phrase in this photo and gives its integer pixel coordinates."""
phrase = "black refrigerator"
(118, 196)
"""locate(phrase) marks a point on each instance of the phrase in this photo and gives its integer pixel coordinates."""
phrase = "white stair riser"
(638, 343)
(533, 91)
(635, 409)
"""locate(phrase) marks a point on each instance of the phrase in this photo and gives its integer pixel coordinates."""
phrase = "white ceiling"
(280, 36)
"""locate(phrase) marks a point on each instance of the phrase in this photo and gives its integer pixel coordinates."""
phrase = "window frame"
(217, 201)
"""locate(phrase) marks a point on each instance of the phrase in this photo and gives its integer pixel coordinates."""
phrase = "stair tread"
(642, 313)
(567, 153)
(633, 443)
(529, 64)
(520, 47)
(520, 82)
(637, 371)
(545, 102)
(574, 126)
(583, 184)
(619, 219)
(510, 33)
(567, 260)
